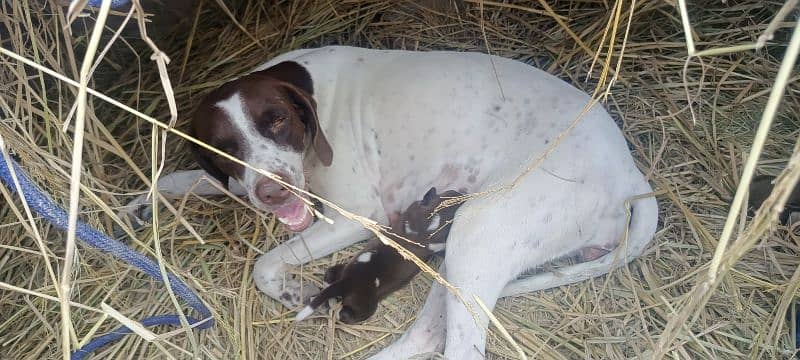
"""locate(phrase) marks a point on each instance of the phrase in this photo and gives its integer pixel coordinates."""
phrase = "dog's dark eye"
(274, 120)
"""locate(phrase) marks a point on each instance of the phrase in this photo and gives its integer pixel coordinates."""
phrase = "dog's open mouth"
(294, 215)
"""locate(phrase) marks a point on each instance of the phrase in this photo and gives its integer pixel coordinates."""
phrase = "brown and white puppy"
(380, 270)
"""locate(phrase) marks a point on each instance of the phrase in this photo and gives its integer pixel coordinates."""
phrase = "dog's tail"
(332, 291)
(642, 227)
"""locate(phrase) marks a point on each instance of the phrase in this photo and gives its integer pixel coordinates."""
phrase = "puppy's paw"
(138, 212)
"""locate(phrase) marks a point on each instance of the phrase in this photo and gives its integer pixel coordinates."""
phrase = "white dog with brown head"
(370, 130)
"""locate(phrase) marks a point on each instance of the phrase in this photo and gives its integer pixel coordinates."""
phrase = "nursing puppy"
(380, 270)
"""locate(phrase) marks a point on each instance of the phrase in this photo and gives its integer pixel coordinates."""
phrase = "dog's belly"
(458, 130)
(463, 121)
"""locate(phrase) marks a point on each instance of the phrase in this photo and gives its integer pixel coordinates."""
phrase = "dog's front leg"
(174, 185)
(427, 333)
(320, 239)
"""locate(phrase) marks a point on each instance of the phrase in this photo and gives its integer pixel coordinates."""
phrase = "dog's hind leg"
(644, 219)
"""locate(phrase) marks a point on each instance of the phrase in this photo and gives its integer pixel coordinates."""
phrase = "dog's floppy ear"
(300, 88)
(308, 113)
(292, 73)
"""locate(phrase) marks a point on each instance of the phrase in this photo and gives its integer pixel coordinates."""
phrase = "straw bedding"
(690, 127)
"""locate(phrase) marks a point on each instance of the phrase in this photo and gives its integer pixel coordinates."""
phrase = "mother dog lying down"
(370, 130)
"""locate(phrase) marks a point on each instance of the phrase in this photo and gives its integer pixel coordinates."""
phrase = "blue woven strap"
(114, 3)
(50, 211)
(117, 334)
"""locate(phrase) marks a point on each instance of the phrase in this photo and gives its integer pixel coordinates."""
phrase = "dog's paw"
(273, 278)
(293, 296)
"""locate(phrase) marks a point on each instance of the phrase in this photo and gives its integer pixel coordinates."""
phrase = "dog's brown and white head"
(269, 120)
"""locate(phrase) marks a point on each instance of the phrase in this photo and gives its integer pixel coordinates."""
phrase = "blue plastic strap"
(114, 3)
(50, 211)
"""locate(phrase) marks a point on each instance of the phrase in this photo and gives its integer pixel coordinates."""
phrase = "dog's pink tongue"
(294, 215)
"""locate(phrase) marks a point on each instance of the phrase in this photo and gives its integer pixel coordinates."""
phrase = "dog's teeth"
(287, 222)
(292, 222)
(304, 313)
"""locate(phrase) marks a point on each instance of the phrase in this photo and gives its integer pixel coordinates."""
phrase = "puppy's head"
(421, 220)
(269, 120)
(359, 305)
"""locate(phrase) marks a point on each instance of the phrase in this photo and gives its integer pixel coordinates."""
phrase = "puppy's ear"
(300, 88)
(429, 197)
(334, 273)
